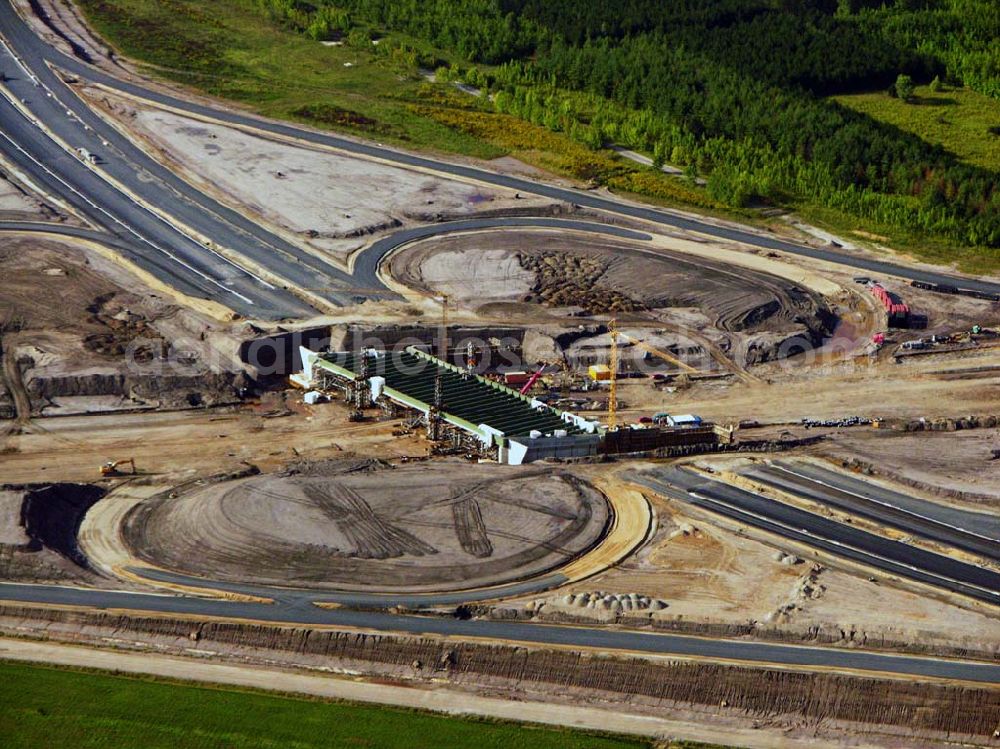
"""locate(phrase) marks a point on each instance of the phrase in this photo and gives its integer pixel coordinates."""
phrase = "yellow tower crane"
(613, 366)
(613, 358)
(669, 358)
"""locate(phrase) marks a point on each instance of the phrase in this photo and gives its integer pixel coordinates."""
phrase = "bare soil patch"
(85, 335)
(38, 526)
(411, 527)
(329, 201)
(950, 465)
(603, 274)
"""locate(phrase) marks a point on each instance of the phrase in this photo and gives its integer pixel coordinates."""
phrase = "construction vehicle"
(113, 467)
(669, 358)
(532, 380)
(612, 368)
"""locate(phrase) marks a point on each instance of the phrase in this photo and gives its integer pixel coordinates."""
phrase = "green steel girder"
(469, 399)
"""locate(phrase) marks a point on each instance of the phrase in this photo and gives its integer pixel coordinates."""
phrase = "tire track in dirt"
(372, 537)
(470, 529)
(13, 380)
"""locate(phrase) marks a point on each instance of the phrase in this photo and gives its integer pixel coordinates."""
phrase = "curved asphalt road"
(174, 239)
(366, 266)
(230, 229)
(535, 634)
(185, 281)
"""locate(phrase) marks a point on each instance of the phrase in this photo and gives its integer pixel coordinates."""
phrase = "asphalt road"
(115, 195)
(158, 186)
(166, 246)
(299, 597)
(536, 634)
(159, 242)
(828, 535)
(187, 282)
(970, 531)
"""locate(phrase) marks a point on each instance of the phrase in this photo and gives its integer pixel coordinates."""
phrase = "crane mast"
(613, 366)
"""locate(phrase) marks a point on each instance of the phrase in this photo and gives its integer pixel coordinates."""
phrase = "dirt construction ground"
(539, 274)
(969, 475)
(855, 387)
(364, 525)
(702, 570)
(262, 489)
(329, 201)
(86, 335)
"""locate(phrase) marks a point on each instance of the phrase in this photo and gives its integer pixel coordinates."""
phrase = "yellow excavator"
(114, 467)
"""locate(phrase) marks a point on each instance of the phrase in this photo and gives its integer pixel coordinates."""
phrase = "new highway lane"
(152, 211)
(156, 219)
(228, 228)
(151, 219)
(836, 538)
(974, 532)
(604, 639)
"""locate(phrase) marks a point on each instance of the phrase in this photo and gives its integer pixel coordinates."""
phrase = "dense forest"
(733, 90)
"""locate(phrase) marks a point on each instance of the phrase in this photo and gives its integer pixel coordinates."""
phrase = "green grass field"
(227, 48)
(960, 120)
(47, 707)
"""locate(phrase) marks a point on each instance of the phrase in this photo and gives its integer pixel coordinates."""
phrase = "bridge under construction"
(459, 408)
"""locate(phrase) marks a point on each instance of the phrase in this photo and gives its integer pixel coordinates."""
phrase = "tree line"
(731, 89)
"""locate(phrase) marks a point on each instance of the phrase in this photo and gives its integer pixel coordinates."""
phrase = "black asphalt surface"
(535, 634)
(229, 229)
(836, 538)
(955, 528)
(300, 596)
(174, 246)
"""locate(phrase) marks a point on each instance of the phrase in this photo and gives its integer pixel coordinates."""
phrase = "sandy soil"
(326, 200)
(871, 611)
(20, 202)
(11, 531)
(36, 270)
(170, 447)
(702, 570)
(474, 274)
(415, 527)
(967, 473)
(737, 301)
(68, 20)
(36, 533)
(106, 325)
(100, 537)
(800, 390)
(16, 203)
